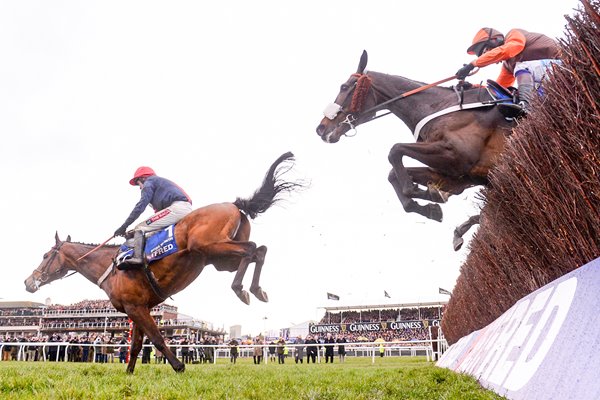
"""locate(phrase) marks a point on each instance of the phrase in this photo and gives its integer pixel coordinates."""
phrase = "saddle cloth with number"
(161, 244)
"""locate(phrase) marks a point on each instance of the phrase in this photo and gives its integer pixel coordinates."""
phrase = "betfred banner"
(544, 347)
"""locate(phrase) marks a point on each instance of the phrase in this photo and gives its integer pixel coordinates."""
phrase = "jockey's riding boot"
(138, 252)
(526, 90)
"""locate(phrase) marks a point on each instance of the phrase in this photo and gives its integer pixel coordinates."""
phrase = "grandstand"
(26, 319)
(390, 322)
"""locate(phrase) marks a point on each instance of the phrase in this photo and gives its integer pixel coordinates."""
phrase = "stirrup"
(128, 267)
(511, 110)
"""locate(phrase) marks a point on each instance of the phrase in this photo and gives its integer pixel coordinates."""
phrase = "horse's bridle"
(42, 269)
(332, 110)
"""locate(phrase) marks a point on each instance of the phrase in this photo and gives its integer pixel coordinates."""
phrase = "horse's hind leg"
(229, 253)
(137, 337)
(259, 259)
(237, 285)
(463, 228)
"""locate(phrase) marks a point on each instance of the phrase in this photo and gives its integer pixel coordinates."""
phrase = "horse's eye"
(344, 87)
(45, 256)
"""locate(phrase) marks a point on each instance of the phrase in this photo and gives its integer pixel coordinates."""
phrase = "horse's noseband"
(331, 112)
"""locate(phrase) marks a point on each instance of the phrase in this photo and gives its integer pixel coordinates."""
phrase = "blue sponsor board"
(161, 244)
(544, 347)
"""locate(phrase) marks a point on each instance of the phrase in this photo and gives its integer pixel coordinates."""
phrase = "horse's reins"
(350, 118)
(95, 248)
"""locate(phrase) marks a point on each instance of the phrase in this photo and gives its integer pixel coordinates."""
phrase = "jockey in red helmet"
(170, 204)
(525, 56)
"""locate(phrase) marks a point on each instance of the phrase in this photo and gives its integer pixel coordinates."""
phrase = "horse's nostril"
(320, 130)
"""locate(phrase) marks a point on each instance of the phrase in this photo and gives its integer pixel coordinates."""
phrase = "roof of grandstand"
(388, 306)
(20, 304)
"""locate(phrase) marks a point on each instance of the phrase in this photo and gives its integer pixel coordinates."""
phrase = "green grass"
(358, 378)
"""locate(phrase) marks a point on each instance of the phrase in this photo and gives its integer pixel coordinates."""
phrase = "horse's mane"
(96, 244)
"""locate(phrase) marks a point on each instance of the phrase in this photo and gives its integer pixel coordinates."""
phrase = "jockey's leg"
(138, 250)
(526, 89)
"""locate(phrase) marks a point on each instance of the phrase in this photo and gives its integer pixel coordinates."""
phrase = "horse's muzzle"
(32, 285)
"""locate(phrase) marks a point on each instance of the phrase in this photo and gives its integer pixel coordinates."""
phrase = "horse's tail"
(272, 186)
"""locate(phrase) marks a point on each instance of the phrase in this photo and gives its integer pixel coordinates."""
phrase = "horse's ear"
(56, 238)
(363, 62)
(68, 238)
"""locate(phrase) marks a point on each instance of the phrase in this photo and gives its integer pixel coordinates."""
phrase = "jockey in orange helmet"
(525, 56)
(170, 204)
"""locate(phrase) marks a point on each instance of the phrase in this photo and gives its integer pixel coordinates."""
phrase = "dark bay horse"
(217, 234)
(457, 147)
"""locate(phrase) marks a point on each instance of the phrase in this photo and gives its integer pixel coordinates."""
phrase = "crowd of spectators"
(20, 312)
(381, 315)
(102, 348)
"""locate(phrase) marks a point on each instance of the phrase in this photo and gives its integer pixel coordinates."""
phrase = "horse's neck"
(95, 264)
(413, 108)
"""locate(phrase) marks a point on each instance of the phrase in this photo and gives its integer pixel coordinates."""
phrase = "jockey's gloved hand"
(121, 231)
(462, 73)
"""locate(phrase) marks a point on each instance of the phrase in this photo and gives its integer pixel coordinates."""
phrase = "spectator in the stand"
(281, 351)
(53, 349)
(6, 349)
(123, 350)
(173, 346)
(98, 349)
(85, 349)
(32, 350)
(258, 350)
(210, 350)
(341, 341)
(311, 349)
(14, 350)
(272, 348)
(233, 349)
(329, 341)
(185, 351)
(299, 357)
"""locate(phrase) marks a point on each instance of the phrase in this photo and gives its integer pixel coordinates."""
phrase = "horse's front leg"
(406, 189)
(141, 317)
(137, 337)
(259, 259)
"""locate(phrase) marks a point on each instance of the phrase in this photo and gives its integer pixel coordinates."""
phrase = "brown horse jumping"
(217, 234)
(458, 148)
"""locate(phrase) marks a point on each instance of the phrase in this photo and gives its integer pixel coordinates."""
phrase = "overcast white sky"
(209, 94)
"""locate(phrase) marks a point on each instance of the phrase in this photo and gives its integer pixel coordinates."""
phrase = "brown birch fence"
(541, 212)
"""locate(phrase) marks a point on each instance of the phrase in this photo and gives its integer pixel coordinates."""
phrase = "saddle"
(506, 99)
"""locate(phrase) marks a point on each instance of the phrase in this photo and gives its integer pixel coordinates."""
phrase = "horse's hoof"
(179, 368)
(434, 212)
(457, 242)
(129, 370)
(260, 294)
(244, 297)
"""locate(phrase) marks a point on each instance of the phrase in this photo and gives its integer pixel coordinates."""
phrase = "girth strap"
(445, 111)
